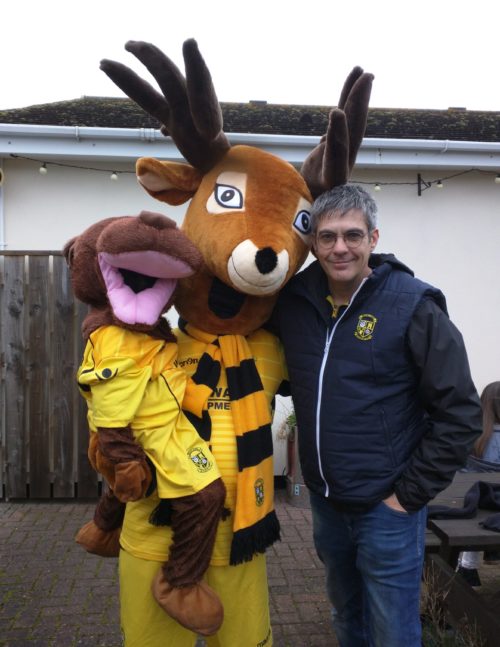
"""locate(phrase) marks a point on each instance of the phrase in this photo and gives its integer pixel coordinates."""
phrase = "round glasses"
(326, 240)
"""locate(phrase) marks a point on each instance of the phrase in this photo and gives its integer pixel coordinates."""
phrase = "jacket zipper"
(328, 342)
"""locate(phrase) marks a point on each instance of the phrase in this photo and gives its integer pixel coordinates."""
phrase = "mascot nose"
(266, 260)
(156, 220)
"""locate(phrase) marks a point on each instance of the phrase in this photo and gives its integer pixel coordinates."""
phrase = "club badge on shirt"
(199, 459)
(365, 327)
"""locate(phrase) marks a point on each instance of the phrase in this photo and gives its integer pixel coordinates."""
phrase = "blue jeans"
(373, 563)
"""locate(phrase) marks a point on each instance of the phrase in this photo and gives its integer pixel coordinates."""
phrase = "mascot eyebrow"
(249, 210)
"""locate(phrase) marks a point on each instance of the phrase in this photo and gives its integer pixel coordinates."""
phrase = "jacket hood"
(376, 260)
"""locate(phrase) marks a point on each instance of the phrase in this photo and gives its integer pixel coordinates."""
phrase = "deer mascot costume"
(249, 217)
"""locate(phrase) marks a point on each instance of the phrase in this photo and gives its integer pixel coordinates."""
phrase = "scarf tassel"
(254, 539)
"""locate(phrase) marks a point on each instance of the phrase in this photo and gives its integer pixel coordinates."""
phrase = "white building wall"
(450, 237)
(44, 211)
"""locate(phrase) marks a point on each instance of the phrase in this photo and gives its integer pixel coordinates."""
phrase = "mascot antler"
(330, 163)
(188, 109)
(248, 211)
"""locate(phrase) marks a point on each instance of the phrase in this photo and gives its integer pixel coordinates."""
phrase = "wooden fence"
(43, 430)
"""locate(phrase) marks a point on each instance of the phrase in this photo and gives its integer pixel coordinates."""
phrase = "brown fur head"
(126, 269)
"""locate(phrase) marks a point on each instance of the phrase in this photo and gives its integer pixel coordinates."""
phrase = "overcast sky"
(425, 54)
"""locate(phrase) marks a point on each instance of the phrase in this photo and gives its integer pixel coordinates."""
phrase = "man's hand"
(392, 502)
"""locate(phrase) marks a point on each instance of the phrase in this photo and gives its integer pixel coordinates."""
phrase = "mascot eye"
(302, 222)
(228, 196)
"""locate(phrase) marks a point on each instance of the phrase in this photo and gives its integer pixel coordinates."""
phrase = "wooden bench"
(432, 542)
(460, 602)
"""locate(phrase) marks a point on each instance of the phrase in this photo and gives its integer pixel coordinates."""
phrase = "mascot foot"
(99, 542)
(196, 607)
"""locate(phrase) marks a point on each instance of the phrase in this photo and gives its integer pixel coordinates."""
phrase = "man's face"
(343, 246)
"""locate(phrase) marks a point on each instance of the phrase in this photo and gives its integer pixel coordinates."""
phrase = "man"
(386, 412)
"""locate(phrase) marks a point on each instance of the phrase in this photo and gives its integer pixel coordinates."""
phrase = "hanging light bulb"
(439, 184)
(113, 176)
(43, 170)
(497, 179)
(377, 187)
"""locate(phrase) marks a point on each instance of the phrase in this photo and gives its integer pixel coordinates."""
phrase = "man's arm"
(450, 399)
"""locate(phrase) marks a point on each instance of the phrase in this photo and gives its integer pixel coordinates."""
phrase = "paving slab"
(54, 594)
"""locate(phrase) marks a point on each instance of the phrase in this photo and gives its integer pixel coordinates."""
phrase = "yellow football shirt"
(142, 539)
(130, 378)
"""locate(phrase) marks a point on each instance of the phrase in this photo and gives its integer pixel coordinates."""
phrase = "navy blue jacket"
(383, 395)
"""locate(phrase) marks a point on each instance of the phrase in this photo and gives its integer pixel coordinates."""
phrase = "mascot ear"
(68, 251)
(169, 182)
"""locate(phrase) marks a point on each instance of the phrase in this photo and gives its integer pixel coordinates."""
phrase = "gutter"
(127, 144)
(428, 154)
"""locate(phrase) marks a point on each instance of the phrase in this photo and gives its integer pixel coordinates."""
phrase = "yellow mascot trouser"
(242, 589)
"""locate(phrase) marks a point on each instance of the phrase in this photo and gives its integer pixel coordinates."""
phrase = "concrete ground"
(52, 593)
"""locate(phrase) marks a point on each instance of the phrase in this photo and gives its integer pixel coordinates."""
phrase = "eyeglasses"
(326, 240)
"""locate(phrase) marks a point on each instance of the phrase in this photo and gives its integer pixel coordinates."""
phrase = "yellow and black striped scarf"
(255, 525)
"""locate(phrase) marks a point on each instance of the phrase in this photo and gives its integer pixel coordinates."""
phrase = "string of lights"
(43, 170)
(421, 184)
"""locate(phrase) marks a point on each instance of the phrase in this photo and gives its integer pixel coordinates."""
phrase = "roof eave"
(127, 144)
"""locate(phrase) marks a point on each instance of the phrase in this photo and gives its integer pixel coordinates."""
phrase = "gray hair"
(340, 200)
